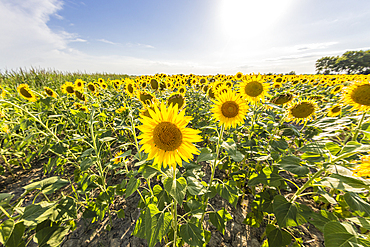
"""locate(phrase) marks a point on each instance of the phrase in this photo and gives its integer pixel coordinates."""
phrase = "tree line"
(351, 62)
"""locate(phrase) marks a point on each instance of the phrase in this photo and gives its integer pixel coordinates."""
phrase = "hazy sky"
(173, 36)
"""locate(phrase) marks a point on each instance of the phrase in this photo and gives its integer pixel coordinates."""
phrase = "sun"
(165, 137)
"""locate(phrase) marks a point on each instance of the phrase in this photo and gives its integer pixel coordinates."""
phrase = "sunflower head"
(26, 93)
(182, 90)
(277, 85)
(334, 111)
(358, 96)
(336, 89)
(145, 97)
(302, 111)
(176, 98)
(68, 88)
(238, 76)
(92, 88)
(80, 95)
(165, 137)
(282, 99)
(254, 88)
(117, 159)
(130, 88)
(154, 84)
(229, 109)
(2, 92)
(50, 92)
(121, 109)
(79, 84)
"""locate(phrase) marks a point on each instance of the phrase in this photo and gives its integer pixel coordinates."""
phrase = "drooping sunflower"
(281, 99)
(26, 93)
(50, 92)
(334, 111)
(80, 95)
(166, 138)
(358, 96)
(254, 88)
(154, 84)
(302, 111)
(363, 169)
(229, 109)
(176, 99)
(145, 97)
(68, 88)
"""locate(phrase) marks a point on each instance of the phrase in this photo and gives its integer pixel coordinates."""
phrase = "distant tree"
(291, 73)
(351, 62)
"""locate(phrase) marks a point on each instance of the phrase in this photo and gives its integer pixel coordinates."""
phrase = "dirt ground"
(94, 234)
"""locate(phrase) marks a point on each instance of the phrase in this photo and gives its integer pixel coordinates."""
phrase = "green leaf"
(15, 240)
(48, 185)
(219, 219)
(162, 227)
(342, 234)
(195, 208)
(107, 139)
(148, 171)
(355, 202)
(50, 236)
(132, 186)
(176, 188)
(279, 145)
(229, 191)
(205, 155)
(195, 187)
(232, 150)
(150, 223)
(192, 234)
(277, 237)
(333, 147)
(292, 164)
(6, 229)
(363, 222)
(66, 209)
(121, 213)
(346, 183)
(285, 212)
(36, 213)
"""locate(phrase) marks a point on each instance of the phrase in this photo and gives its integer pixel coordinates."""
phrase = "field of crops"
(178, 141)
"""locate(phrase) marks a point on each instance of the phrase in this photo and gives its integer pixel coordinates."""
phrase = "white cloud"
(107, 41)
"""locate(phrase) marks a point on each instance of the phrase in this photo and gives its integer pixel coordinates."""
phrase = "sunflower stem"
(174, 213)
(306, 185)
(134, 134)
(213, 167)
(359, 126)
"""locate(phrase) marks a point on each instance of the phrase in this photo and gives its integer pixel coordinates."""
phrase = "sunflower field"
(297, 146)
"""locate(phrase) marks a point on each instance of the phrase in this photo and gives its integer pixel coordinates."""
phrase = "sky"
(145, 37)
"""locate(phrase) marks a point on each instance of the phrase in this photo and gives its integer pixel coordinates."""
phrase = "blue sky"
(192, 36)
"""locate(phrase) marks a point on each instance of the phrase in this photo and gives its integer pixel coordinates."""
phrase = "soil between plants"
(96, 235)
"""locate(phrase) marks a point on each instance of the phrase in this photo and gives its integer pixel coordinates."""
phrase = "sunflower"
(154, 84)
(80, 95)
(92, 88)
(358, 96)
(117, 159)
(230, 109)
(100, 80)
(176, 99)
(334, 111)
(68, 88)
(79, 84)
(238, 76)
(182, 90)
(165, 136)
(130, 88)
(211, 93)
(223, 89)
(336, 89)
(2, 92)
(363, 169)
(104, 85)
(145, 97)
(26, 92)
(282, 99)
(253, 88)
(302, 111)
(50, 92)
(121, 109)
(277, 85)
